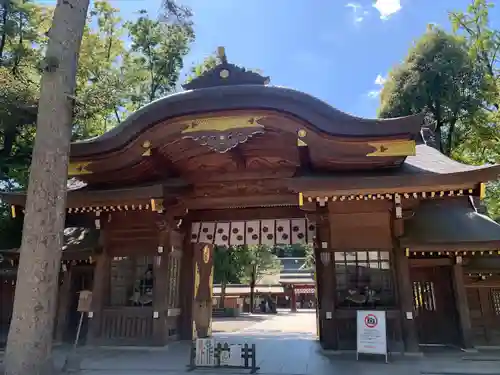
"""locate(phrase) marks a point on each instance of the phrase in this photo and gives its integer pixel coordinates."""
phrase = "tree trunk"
(252, 291)
(451, 133)
(9, 138)
(3, 37)
(222, 294)
(29, 345)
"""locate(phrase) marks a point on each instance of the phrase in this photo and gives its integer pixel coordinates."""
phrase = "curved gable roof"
(318, 114)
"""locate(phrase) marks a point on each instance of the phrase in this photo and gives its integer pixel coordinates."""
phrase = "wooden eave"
(163, 151)
(290, 131)
(428, 171)
(450, 248)
(140, 195)
(321, 117)
(78, 244)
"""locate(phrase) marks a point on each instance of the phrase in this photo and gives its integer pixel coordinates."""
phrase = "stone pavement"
(285, 345)
(290, 354)
(234, 324)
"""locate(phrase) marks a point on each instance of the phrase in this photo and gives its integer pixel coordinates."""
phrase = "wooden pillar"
(318, 274)
(100, 292)
(203, 289)
(462, 306)
(326, 282)
(63, 304)
(405, 297)
(187, 287)
(293, 299)
(160, 274)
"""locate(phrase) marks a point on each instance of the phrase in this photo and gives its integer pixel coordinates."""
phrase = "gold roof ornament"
(221, 54)
(224, 74)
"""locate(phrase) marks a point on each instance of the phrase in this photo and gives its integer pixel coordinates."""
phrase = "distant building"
(291, 287)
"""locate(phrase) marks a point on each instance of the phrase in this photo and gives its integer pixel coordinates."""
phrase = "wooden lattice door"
(435, 311)
(484, 307)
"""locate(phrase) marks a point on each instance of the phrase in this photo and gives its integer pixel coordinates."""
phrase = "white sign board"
(231, 357)
(371, 334)
(205, 352)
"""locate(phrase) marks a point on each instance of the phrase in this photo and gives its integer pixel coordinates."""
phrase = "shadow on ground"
(244, 317)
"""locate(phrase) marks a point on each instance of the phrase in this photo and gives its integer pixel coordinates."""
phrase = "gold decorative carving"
(222, 124)
(157, 205)
(223, 133)
(206, 254)
(147, 146)
(301, 143)
(221, 53)
(78, 169)
(393, 148)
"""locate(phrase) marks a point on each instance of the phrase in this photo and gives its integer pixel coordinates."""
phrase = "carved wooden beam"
(239, 158)
(306, 165)
(162, 164)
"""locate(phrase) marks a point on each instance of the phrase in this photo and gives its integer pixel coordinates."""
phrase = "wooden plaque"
(84, 301)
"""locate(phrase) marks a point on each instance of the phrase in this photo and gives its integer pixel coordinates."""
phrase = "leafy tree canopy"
(122, 66)
(437, 77)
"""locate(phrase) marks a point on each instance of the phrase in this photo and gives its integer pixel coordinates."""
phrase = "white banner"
(231, 357)
(205, 352)
(371, 332)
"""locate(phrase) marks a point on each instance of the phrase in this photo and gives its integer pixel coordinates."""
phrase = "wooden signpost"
(72, 362)
(84, 306)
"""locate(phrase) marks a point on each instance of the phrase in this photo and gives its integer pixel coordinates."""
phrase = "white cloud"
(354, 6)
(379, 81)
(373, 93)
(358, 12)
(387, 8)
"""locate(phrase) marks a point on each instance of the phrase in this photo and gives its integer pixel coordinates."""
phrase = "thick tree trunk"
(3, 37)
(252, 292)
(223, 286)
(29, 345)
(451, 134)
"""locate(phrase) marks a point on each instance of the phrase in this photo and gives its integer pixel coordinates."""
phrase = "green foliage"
(157, 54)
(259, 261)
(237, 264)
(295, 251)
(113, 78)
(483, 43)
(209, 63)
(480, 141)
(455, 79)
(437, 77)
(229, 264)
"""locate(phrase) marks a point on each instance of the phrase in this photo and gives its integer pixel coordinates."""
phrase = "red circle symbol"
(371, 321)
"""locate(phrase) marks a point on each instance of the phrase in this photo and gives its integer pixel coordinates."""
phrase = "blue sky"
(336, 50)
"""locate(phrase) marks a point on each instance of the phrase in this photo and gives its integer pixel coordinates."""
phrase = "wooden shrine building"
(233, 160)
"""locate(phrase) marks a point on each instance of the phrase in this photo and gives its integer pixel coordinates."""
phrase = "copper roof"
(439, 222)
(427, 168)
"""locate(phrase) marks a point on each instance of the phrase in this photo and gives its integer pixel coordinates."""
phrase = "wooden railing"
(127, 325)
